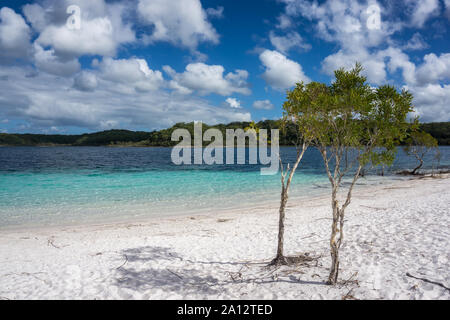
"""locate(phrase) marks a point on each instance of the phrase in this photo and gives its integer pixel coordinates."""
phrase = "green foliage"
(352, 125)
(162, 138)
(420, 139)
(349, 114)
(418, 144)
(11, 140)
(439, 130)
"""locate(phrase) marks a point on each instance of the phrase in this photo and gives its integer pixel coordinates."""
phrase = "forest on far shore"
(162, 138)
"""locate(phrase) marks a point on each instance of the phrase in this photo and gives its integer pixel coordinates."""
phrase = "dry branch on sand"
(427, 280)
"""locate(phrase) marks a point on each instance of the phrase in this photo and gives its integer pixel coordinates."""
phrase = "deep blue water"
(45, 186)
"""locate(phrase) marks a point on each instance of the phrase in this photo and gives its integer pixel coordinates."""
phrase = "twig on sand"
(323, 219)
(374, 207)
(175, 274)
(125, 262)
(349, 296)
(350, 280)
(235, 276)
(392, 188)
(50, 242)
(310, 236)
(427, 280)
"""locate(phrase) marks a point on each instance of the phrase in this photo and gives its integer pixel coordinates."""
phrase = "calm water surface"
(58, 185)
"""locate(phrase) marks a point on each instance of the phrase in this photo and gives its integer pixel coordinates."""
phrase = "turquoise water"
(52, 186)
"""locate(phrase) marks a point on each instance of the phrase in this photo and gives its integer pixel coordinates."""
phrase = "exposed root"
(279, 261)
(302, 259)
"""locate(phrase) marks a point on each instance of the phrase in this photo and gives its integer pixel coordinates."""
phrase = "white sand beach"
(391, 230)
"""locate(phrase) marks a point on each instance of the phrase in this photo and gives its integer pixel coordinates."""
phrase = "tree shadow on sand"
(152, 268)
(165, 275)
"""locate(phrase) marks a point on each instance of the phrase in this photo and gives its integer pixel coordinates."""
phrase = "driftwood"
(427, 280)
(50, 242)
(125, 262)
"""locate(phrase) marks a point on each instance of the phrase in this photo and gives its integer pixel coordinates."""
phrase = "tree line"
(162, 138)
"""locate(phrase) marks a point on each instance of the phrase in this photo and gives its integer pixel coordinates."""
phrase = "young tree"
(352, 125)
(418, 145)
(280, 259)
(303, 97)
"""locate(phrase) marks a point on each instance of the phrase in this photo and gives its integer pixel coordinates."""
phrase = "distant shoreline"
(162, 138)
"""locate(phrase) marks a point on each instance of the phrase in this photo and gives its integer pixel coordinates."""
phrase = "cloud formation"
(263, 105)
(280, 72)
(233, 103)
(183, 23)
(422, 11)
(102, 28)
(206, 79)
(14, 35)
(285, 43)
(46, 100)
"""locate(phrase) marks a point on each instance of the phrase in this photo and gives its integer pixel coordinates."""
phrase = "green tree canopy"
(352, 125)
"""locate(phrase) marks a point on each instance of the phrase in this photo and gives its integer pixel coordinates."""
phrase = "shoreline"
(205, 212)
(391, 230)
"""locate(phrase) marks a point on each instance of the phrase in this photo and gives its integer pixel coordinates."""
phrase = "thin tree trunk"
(337, 227)
(334, 250)
(280, 259)
(418, 167)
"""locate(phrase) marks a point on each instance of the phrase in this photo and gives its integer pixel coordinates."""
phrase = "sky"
(74, 66)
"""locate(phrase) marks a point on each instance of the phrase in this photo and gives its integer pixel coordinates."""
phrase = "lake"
(65, 185)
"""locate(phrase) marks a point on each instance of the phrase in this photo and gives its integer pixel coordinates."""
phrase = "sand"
(391, 230)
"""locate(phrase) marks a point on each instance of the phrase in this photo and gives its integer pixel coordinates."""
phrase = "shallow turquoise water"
(51, 186)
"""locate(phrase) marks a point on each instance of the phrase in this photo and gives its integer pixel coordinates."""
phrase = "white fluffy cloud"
(432, 102)
(263, 105)
(343, 21)
(102, 30)
(14, 35)
(233, 103)
(287, 42)
(132, 73)
(85, 81)
(416, 43)
(399, 60)
(206, 79)
(434, 68)
(422, 10)
(183, 23)
(45, 100)
(374, 66)
(280, 72)
(47, 61)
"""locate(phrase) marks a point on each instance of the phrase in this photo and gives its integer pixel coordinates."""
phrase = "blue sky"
(147, 64)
